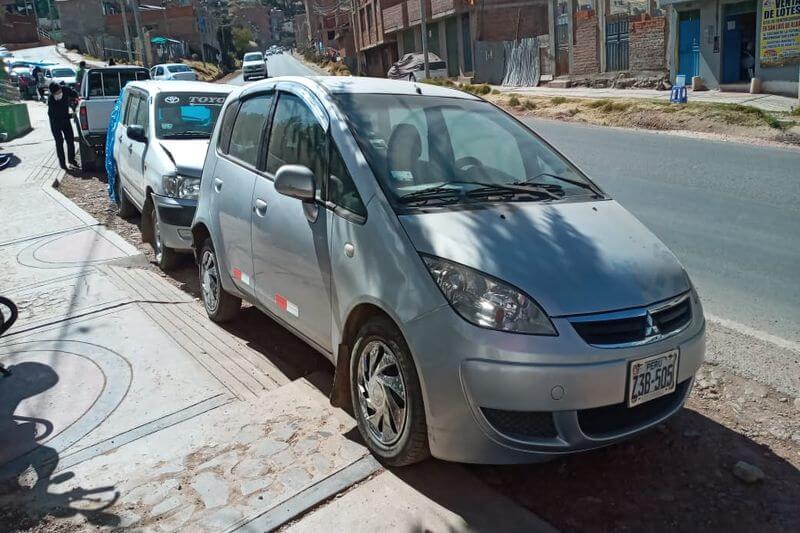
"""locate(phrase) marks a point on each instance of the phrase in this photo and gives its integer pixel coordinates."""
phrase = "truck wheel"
(88, 158)
(125, 208)
(387, 396)
(167, 258)
(220, 305)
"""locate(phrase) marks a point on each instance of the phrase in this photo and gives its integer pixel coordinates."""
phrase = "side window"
(297, 138)
(247, 128)
(227, 126)
(131, 108)
(159, 71)
(143, 112)
(341, 189)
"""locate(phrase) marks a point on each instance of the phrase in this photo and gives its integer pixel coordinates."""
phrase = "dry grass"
(716, 118)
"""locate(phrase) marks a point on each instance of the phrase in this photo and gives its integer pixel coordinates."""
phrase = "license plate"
(652, 377)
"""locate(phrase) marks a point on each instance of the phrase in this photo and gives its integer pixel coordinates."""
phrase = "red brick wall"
(440, 7)
(648, 41)
(393, 18)
(501, 24)
(585, 55)
(412, 8)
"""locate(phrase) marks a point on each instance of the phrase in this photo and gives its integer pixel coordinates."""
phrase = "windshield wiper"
(439, 192)
(581, 184)
(187, 134)
(514, 188)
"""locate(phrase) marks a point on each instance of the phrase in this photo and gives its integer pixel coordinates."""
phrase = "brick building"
(256, 18)
(80, 18)
(329, 28)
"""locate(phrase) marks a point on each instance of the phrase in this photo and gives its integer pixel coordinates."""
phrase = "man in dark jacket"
(59, 104)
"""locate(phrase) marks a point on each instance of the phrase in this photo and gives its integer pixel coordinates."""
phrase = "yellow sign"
(780, 33)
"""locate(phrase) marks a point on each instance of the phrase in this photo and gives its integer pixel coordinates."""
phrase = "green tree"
(241, 40)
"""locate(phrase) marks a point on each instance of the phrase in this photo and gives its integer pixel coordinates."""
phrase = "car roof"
(171, 65)
(177, 86)
(365, 85)
(60, 65)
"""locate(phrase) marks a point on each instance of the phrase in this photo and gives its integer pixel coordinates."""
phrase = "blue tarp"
(111, 167)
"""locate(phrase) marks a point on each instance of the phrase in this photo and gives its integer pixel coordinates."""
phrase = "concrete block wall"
(648, 42)
(586, 53)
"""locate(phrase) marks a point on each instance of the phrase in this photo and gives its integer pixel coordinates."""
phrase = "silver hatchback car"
(482, 300)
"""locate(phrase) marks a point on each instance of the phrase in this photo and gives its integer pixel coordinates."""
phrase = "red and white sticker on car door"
(286, 305)
(238, 275)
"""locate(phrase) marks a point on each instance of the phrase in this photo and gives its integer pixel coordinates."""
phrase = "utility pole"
(424, 29)
(140, 35)
(355, 41)
(125, 29)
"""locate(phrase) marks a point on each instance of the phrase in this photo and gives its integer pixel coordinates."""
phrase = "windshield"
(63, 73)
(452, 150)
(178, 68)
(254, 56)
(187, 115)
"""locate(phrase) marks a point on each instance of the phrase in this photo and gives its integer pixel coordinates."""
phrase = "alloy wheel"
(381, 393)
(209, 277)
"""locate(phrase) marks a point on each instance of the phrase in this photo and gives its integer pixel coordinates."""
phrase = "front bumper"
(494, 397)
(175, 220)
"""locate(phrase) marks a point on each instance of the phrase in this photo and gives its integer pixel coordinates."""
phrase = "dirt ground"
(678, 476)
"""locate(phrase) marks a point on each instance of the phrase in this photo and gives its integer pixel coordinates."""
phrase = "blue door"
(689, 44)
(732, 50)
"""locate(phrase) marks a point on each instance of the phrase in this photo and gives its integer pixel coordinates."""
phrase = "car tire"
(88, 159)
(395, 439)
(125, 208)
(166, 258)
(220, 306)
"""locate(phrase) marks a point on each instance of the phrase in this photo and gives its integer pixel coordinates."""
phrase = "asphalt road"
(41, 53)
(280, 65)
(729, 211)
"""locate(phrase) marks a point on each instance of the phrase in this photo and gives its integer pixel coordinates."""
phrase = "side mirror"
(296, 181)
(136, 133)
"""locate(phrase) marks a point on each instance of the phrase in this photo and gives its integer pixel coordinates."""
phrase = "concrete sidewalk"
(127, 407)
(765, 102)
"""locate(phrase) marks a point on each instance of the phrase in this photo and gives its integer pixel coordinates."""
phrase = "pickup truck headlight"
(177, 186)
(488, 302)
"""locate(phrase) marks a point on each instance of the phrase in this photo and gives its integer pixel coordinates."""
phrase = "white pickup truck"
(100, 88)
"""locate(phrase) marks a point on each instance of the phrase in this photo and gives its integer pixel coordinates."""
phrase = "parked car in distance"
(254, 65)
(481, 299)
(99, 91)
(62, 74)
(16, 71)
(160, 147)
(411, 67)
(173, 71)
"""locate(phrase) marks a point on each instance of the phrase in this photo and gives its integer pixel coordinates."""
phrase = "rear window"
(179, 68)
(63, 72)
(110, 82)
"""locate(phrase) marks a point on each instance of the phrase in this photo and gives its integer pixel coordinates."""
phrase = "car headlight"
(488, 302)
(177, 186)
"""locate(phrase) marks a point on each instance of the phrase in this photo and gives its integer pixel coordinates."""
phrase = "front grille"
(673, 318)
(637, 326)
(522, 424)
(617, 331)
(619, 418)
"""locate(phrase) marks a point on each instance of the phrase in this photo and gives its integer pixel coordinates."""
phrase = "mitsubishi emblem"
(651, 329)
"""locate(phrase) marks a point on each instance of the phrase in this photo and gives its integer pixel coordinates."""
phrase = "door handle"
(217, 184)
(260, 207)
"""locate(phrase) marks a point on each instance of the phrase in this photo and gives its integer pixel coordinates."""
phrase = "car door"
(137, 151)
(122, 149)
(290, 238)
(234, 176)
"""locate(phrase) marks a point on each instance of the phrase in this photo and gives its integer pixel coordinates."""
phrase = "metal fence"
(522, 63)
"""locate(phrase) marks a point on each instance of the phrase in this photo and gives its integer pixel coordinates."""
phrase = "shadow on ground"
(29, 494)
